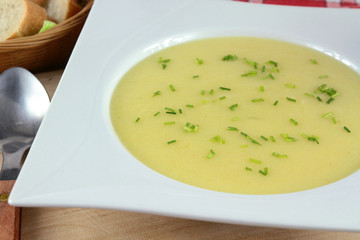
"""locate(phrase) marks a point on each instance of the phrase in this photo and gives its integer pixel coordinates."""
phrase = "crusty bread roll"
(59, 10)
(20, 18)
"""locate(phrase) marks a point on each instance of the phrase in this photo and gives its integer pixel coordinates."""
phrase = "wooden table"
(68, 224)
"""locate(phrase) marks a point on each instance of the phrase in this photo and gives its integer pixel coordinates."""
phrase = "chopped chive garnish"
(169, 109)
(313, 61)
(271, 76)
(212, 154)
(235, 118)
(251, 63)
(232, 128)
(309, 95)
(248, 169)
(199, 61)
(203, 92)
(257, 100)
(169, 123)
(189, 105)
(265, 138)
(174, 113)
(196, 76)
(157, 113)
(264, 172)
(319, 99)
(278, 155)
(251, 73)
(325, 89)
(313, 138)
(262, 88)
(287, 138)
(157, 93)
(323, 76)
(255, 161)
(250, 139)
(326, 115)
(272, 138)
(291, 99)
(224, 88)
(276, 102)
(232, 107)
(330, 100)
(290, 85)
(137, 120)
(222, 98)
(164, 62)
(172, 141)
(191, 127)
(230, 57)
(211, 92)
(218, 139)
(293, 121)
(271, 62)
(263, 69)
(346, 129)
(172, 87)
(180, 111)
(204, 101)
(334, 120)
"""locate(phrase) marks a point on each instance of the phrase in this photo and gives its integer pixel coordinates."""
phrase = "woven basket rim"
(51, 34)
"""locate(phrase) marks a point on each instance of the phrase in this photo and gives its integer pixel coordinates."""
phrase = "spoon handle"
(9, 215)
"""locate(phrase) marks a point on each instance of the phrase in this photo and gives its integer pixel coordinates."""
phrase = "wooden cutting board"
(89, 224)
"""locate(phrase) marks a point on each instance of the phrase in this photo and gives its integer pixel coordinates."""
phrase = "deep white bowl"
(77, 160)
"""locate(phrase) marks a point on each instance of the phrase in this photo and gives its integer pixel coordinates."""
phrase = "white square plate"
(77, 161)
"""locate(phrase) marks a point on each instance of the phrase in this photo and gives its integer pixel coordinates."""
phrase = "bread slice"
(20, 18)
(39, 2)
(60, 10)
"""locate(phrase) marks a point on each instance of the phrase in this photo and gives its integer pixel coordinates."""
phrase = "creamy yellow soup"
(241, 115)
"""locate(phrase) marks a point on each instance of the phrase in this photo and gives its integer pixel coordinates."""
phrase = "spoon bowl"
(23, 103)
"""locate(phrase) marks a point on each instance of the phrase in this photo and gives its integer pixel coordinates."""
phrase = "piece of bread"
(20, 18)
(39, 2)
(59, 10)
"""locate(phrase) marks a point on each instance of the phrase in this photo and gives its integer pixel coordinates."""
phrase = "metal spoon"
(23, 103)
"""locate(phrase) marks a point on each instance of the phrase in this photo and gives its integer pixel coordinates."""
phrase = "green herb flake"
(272, 138)
(261, 88)
(290, 85)
(287, 138)
(157, 93)
(251, 73)
(251, 63)
(211, 155)
(264, 172)
(225, 88)
(232, 128)
(263, 69)
(309, 95)
(189, 105)
(293, 121)
(257, 100)
(196, 76)
(250, 138)
(191, 127)
(323, 76)
(137, 120)
(172, 88)
(276, 102)
(248, 169)
(203, 92)
(222, 98)
(334, 120)
(330, 100)
(163, 62)
(169, 123)
(271, 62)
(172, 141)
(235, 118)
(199, 61)
(271, 76)
(291, 99)
(180, 111)
(169, 109)
(211, 92)
(230, 57)
(313, 61)
(157, 113)
(312, 138)
(218, 139)
(278, 155)
(255, 161)
(265, 138)
(232, 107)
(326, 115)
(319, 99)
(347, 129)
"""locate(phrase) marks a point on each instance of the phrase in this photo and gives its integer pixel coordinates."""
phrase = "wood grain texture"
(9, 215)
(93, 224)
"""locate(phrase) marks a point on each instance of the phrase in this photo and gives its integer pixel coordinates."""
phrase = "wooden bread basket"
(44, 51)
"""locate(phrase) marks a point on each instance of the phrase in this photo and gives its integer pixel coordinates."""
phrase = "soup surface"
(241, 115)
